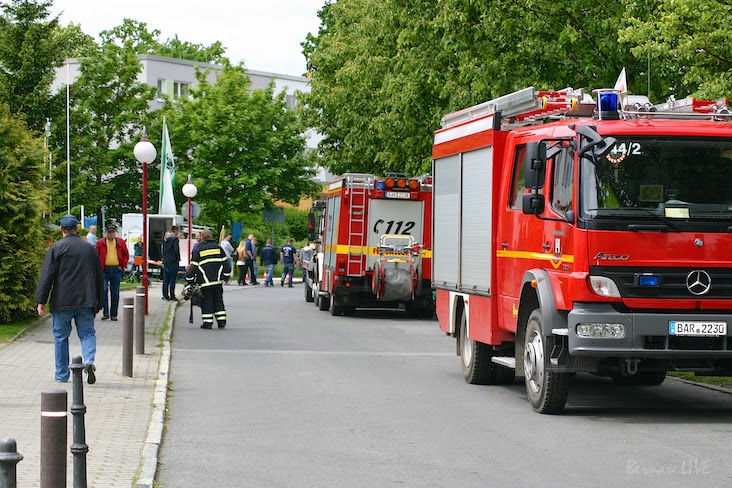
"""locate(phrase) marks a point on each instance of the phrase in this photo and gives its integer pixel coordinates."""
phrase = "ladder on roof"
(358, 185)
(527, 106)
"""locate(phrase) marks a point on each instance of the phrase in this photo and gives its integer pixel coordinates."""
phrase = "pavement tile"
(119, 409)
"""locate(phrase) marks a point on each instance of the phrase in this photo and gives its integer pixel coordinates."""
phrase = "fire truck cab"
(574, 234)
(373, 245)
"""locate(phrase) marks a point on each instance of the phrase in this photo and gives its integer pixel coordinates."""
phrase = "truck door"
(519, 242)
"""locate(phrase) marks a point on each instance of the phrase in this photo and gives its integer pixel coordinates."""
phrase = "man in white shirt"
(228, 250)
(91, 237)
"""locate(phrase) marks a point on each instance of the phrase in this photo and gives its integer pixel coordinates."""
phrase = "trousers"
(212, 305)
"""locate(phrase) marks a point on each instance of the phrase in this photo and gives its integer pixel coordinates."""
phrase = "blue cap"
(69, 221)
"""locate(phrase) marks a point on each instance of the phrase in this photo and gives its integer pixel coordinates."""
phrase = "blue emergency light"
(648, 280)
(608, 103)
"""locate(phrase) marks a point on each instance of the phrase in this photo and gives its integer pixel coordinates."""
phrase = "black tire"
(323, 302)
(478, 369)
(308, 291)
(644, 378)
(335, 310)
(547, 391)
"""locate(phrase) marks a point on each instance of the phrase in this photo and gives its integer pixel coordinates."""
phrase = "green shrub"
(23, 198)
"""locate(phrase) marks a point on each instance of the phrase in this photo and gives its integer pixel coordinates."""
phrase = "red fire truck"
(374, 245)
(574, 234)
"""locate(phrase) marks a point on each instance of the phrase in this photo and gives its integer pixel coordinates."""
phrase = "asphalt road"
(289, 396)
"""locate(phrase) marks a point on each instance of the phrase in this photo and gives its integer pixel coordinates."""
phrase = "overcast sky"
(265, 34)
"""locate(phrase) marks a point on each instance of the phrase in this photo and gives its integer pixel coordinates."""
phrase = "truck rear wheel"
(308, 291)
(547, 391)
(475, 359)
(335, 310)
(323, 302)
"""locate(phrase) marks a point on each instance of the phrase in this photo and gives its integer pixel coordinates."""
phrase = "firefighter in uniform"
(209, 266)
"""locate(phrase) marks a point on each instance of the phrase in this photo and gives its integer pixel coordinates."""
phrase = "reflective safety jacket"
(209, 265)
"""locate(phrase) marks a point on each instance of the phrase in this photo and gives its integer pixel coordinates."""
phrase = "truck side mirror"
(534, 164)
(533, 204)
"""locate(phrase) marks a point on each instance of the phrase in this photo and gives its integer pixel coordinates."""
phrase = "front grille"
(677, 343)
(672, 282)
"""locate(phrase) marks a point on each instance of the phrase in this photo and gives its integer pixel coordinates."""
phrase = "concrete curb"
(149, 455)
(720, 389)
(28, 328)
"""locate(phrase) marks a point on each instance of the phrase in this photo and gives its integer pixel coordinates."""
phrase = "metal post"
(146, 244)
(127, 333)
(9, 457)
(79, 448)
(140, 300)
(54, 420)
(190, 252)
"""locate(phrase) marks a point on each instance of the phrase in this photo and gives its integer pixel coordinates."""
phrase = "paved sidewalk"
(119, 409)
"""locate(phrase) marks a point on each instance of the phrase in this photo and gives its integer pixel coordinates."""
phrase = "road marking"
(318, 353)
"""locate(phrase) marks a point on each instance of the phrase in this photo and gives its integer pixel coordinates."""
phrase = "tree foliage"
(384, 72)
(31, 47)
(245, 148)
(108, 108)
(22, 202)
(688, 42)
(145, 41)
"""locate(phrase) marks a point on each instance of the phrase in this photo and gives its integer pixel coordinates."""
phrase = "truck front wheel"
(547, 391)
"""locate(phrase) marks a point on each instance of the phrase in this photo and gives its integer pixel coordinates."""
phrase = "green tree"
(22, 201)
(687, 42)
(31, 47)
(385, 72)
(175, 48)
(108, 107)
(244, 148)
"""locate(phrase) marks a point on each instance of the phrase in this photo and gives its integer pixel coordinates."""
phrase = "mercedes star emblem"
(698, 282)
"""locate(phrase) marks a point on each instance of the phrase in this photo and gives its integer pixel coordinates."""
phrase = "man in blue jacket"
(72, 275)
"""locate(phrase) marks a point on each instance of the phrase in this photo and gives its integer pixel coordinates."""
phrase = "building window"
(161, 89)
(291, 100)
(180, 89)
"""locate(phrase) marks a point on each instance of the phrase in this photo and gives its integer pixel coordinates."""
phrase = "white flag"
(622, 84)
(166, 204)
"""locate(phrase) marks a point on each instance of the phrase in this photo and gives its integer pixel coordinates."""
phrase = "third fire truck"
(574, 234)
(374, 245)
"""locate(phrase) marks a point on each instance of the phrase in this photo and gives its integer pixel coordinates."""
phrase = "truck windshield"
(676, 184)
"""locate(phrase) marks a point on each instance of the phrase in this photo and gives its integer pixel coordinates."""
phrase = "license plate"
(398, 194)
(713, 329)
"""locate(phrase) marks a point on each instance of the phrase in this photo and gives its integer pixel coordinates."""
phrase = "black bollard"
(54, 421)
(127, 314)
(140, 320)
(9, 457)
(79, 448)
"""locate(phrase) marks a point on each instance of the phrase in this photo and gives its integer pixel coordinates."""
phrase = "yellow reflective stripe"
(209, 252)
(369, 250)
(212, 260)
(538, 256)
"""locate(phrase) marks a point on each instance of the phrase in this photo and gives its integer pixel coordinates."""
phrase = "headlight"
(606, 331)
(605, 287)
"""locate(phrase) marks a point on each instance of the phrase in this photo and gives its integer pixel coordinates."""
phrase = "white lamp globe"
(144, 151)
(189, 189)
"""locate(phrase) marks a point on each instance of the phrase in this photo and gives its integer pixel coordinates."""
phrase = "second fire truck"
(374, 245)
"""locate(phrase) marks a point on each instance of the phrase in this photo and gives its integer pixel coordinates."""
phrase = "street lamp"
(190, 191)
(144, 153)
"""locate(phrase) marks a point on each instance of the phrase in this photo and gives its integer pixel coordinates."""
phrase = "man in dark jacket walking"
(171, 262)
(269, 259)
(209, 267)
(72, 275)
